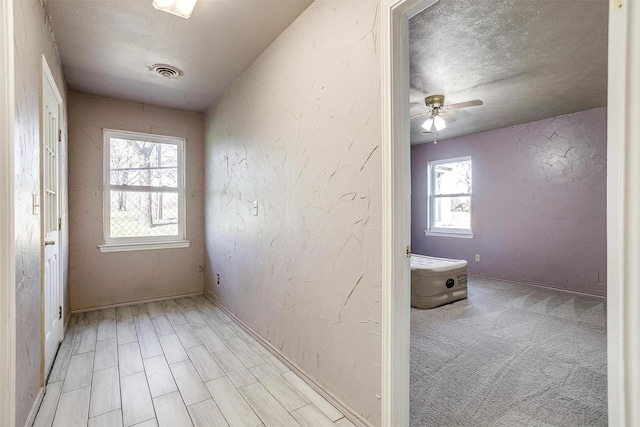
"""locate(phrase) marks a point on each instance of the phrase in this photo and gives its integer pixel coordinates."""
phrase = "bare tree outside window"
(144, 187)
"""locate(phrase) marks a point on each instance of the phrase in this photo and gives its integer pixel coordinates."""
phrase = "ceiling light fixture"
(438, 113)
(181, 8)
(434, 123)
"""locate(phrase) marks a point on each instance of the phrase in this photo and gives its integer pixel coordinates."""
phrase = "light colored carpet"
(510, 355)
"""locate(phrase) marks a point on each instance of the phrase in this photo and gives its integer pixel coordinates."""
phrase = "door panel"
(52, 322)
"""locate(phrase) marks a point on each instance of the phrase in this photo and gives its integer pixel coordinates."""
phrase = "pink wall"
(299, 132)
(142, 274)
(33, 38)
(538, 204)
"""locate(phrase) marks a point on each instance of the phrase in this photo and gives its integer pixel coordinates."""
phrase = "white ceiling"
(107, 46)
(526, 59)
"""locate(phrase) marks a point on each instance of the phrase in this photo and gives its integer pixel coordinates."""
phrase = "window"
(144, 192)
(449, 198)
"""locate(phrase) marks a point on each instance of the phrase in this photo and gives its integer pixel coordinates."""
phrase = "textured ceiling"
(526, 59)
(107, 46)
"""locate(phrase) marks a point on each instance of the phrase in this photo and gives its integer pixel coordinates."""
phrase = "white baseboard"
(335, 401)
(34, 409)
(143, 301)
(67, 321)
(36, 405)
(538, 285)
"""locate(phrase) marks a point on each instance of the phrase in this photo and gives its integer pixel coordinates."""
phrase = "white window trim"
(121, 244)
(431, 230)
(125, 247)
(449, 233)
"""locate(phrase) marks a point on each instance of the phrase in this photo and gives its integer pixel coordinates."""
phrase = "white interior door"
(50, 159)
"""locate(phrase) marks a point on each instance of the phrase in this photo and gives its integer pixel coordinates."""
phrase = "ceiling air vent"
(166, 70)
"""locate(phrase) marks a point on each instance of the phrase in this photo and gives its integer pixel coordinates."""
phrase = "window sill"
(126, 247)
(448, 234)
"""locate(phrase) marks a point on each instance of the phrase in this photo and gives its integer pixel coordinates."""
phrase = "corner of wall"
(32, 38)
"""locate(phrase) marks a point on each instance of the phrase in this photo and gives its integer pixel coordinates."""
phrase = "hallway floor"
(174, 363)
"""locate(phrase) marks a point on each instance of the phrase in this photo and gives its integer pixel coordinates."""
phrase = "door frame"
(623, 203)
(396, 208)
(7, 241)
(47, 79)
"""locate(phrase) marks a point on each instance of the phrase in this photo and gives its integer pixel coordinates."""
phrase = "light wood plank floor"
(174, 363)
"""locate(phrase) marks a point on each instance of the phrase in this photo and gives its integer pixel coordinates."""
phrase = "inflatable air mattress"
(437, 281)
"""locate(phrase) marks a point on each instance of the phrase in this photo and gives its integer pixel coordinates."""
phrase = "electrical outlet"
(255, 208)
(218, 278)
(477, 257)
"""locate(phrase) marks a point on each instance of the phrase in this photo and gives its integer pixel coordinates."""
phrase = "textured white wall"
(32, 39)
(97, 278)
(300, 132)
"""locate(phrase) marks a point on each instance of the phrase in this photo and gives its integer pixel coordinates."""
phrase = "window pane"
(453, 178)
(138, 214)
(452, 212)
(143, 163)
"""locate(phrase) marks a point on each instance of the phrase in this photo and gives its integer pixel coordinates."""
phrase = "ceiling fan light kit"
(438, 114)
(428, 124)
(434, 123)
(181, 8)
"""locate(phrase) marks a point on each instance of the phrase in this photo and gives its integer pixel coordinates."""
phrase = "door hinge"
(408, 251)
(60, 312)
(59, 224)
(59, 135)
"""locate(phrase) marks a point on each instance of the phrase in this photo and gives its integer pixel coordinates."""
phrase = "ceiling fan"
(438, 112)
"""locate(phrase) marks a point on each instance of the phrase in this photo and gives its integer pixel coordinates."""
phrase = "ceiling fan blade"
(466, 104)
(447, 117)
(418, 115)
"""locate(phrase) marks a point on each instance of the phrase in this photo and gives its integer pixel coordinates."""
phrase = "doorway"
(623, 241)
(510, 347)
(7, 251)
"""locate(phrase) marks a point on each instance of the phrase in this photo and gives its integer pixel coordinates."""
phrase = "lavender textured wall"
(300, 133)
(33, 38)
(538, 204)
